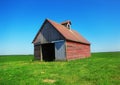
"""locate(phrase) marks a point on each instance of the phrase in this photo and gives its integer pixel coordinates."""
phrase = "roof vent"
(67, 24)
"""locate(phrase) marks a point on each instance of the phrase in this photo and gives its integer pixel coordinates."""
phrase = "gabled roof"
(68, 34)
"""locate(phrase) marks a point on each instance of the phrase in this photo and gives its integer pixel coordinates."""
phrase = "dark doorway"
(48, 52)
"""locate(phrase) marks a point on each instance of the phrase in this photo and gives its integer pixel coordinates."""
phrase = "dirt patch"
(49, 80)
(42, 72)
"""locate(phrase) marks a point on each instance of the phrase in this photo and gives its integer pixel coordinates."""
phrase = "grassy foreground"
(99, 69)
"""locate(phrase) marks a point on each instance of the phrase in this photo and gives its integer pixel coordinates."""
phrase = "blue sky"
(97, 20)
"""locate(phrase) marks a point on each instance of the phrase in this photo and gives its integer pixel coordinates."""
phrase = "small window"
(68, 26)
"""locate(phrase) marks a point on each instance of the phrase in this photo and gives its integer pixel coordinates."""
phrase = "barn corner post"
(41, 57)
(65, 50)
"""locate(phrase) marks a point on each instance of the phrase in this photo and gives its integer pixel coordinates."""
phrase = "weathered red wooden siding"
(76, 50)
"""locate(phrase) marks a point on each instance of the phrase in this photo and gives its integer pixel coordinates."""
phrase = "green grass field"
(99, 69)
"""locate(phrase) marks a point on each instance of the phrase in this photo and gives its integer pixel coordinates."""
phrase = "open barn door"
(60, 50)
(48, 52)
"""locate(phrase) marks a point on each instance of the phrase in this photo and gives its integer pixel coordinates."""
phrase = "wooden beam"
(41, 53)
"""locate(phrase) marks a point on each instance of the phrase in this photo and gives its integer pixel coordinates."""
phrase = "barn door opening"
(48, 52)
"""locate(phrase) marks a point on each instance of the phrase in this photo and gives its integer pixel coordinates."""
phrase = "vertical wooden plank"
(60, 50)
(37, 51)
(41, 58)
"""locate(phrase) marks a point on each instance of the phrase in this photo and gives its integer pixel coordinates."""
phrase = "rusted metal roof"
(68, 34)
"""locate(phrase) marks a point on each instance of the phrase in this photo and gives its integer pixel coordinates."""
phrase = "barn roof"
(68, 34)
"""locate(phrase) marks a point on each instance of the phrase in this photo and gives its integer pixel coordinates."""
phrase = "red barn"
(56, 41)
